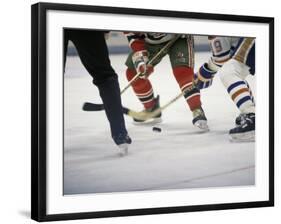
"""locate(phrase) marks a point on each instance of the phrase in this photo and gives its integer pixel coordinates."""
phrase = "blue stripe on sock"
(232, 86)
(243, 100)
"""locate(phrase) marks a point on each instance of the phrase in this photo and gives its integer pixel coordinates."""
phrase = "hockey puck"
(156, 129)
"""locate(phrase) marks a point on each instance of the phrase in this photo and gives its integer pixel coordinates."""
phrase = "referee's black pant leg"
(92, 49)
(110, 93)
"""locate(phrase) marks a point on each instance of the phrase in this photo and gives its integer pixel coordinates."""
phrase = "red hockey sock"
(184, 76)
(142, 88)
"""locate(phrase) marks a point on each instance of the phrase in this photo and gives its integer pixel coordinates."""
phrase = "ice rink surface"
(176, 158)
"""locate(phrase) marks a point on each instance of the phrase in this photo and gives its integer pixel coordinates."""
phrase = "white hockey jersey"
(221, 48)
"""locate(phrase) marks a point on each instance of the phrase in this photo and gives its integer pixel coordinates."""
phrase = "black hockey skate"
(241, 116)
(239, 119)
(154, 120)
(122, 141)
(200, 120)
(245, 131)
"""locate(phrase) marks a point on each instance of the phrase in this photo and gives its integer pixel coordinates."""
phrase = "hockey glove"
(204, 77)
(140, 59)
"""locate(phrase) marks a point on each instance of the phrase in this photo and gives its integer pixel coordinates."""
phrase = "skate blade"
(202, 126)
(243, 137)
(123, 149)
(149, 122)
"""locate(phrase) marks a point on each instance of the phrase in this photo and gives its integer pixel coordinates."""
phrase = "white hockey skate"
(123, 149)
(243, 137)
(151, 121)
(200, 120)
(154, 120)
(122, 141)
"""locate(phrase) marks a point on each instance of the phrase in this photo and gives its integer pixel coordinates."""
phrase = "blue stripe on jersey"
(222, 54)
(233, 85)
(243, 100)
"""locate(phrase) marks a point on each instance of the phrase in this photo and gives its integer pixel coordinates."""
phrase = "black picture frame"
(39, 114)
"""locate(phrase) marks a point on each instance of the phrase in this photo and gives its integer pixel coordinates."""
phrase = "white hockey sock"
(232, 75)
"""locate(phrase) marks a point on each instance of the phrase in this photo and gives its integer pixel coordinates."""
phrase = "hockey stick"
(146, 116)
(87, 106)
(167, 46)
(134, 114)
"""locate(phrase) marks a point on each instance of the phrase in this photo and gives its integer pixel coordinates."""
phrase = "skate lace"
(245, 119)
(197, 113)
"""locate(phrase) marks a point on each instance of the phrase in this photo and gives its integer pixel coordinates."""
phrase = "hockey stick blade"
(92, 107)
(87, 106)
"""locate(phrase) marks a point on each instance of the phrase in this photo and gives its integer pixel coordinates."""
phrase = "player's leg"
(142, 87)
(110, 93)
(182, 60)
(239, 118)
(232, 75)
(92, 49)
